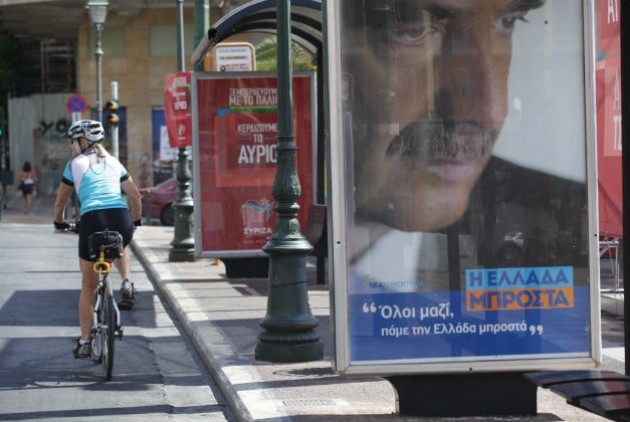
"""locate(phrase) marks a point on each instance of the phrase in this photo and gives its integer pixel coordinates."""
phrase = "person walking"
(27, 185)
(97, 178)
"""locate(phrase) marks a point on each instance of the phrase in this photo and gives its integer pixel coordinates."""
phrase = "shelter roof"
(260, 16)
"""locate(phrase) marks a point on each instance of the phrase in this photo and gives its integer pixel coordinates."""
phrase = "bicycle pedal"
(125, 305)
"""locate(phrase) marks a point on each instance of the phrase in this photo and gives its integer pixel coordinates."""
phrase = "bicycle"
(106, 320)
(106, 323)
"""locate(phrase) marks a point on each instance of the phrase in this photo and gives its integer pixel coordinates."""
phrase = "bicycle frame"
(105, 326)
(104, 284)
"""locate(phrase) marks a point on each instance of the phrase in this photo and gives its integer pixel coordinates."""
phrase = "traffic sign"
(76, 103)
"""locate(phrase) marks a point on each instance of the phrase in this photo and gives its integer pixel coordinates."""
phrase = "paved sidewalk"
(222, 316)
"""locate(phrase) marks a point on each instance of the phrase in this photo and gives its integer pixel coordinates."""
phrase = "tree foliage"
(267, 54)
(9, 63)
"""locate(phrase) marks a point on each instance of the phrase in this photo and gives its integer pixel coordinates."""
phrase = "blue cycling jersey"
(96, 180)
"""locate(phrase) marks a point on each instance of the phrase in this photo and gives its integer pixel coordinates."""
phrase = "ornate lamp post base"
(289, 334)
(289, 352)
(181, 256)
(183, 247)
(183, 243)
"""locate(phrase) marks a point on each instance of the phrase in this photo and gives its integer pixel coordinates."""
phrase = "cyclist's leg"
(89, 283)
(121, 221)
(123, 264)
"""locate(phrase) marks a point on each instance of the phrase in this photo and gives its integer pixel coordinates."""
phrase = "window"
(112, 40)
(163, 40)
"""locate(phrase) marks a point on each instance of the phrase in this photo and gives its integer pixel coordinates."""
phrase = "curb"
(215, 350)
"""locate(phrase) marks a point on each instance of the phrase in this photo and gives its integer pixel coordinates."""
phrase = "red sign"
(177, 109)
(76, 104)
(238, 128)
(608, 89)
(609, 15)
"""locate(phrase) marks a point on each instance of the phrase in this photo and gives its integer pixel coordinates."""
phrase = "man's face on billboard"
(429, 98)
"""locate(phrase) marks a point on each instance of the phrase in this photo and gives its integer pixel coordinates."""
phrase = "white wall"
(545, 128)
(36, 133)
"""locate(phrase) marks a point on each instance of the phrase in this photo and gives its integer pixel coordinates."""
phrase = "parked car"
(162, 197)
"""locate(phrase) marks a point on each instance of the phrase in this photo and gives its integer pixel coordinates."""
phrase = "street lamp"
(289, 327)
(98, 14)
(183, 242)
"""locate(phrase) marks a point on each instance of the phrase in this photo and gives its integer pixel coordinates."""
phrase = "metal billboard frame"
(248, 253)
(339, 212)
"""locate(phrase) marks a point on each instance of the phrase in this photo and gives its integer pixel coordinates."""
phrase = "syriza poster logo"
(256, 215)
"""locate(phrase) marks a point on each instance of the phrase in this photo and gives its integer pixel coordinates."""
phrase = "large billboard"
(235, 127)
(464, 223)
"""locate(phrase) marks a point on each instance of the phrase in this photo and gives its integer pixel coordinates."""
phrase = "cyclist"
(97, 178)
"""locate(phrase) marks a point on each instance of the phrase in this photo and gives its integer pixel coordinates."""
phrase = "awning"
(260, 16)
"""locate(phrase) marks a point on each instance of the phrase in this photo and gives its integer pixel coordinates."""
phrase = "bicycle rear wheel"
(108, 327)
(97, 353)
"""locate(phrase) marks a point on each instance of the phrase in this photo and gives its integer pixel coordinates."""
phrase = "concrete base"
(459, 395)
(289, 352)
(613, 303)
(246, 267)
(181, 255)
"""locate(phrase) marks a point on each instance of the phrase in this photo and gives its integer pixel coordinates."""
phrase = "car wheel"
(167, 216)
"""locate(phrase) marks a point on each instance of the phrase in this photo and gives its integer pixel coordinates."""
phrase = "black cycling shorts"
(27, 189)
(118, 219)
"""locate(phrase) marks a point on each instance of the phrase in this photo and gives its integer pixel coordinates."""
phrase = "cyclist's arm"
(63, 194)
(135, 201)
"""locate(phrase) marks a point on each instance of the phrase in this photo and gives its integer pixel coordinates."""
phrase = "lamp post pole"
(289, 326)
(98, 55)
(98, 13)
(183, 244)
(202, 24)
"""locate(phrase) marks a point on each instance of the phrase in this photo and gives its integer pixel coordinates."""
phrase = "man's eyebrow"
(436, 8)
(523, 5)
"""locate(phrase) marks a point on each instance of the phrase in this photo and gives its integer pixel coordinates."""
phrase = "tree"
(267, 54)
(10, 59)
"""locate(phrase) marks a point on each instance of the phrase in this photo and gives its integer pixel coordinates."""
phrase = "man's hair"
(374, 13)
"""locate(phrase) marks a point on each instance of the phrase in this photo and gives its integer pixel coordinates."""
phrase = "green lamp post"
(183, 243)
(98, 14)
(289, 327)
(202, 24)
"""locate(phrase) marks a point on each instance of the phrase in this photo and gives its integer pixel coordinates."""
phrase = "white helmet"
(89, 129)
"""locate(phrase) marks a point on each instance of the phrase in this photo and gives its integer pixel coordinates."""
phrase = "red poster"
(251, 154)
(608, 89)
(609, 26)
(177, 109)
(611, 123)
(238, 127)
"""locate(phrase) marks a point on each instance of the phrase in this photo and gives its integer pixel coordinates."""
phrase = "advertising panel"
(236, 126)
(464, 227)
(177, 109)
(609, 120)
(164, 156)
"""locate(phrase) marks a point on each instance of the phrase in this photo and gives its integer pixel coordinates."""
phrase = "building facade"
(139, 43)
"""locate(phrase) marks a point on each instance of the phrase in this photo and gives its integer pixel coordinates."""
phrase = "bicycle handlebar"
(66, 227)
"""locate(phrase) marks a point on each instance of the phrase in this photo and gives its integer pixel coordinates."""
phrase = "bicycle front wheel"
(108, 327)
